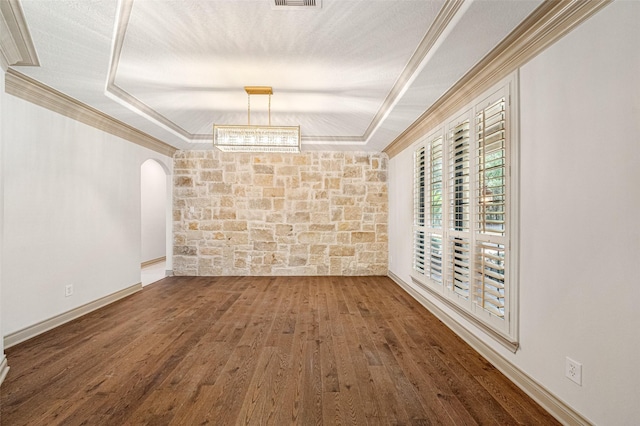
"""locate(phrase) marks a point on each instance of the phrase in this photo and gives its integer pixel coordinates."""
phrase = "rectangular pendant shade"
(256, 138)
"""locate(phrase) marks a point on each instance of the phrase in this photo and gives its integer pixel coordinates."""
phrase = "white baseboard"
(153, 261)
(46, 325)
(554, 405)
(4, 368)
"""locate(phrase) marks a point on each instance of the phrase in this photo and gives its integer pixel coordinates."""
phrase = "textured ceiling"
(352, 74)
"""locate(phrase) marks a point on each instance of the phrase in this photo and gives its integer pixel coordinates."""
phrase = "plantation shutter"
(490, 290)
(459, 235)
(490, 191)
(419, 179)
(435, 213)
(465, 211)
(419, 187)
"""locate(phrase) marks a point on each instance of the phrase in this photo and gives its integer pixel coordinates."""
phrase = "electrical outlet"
(68, 290)
(573, 370)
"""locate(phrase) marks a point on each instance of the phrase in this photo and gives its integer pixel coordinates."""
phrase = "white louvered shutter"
(466, 212)
(419, 181)
(435, 213)
(491, 240)
(459, 253)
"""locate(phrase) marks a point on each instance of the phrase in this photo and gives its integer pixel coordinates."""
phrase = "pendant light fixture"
(256, 138)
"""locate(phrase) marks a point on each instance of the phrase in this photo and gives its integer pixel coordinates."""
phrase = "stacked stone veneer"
(314, 213)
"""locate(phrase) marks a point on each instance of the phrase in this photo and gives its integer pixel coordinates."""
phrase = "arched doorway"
(154, 230)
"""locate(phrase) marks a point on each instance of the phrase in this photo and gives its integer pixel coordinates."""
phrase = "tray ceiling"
(352, 74)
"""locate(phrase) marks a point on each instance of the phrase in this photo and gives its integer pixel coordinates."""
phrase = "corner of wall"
(3, 361)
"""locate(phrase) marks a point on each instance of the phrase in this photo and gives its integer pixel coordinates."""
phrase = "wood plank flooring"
(259, 350)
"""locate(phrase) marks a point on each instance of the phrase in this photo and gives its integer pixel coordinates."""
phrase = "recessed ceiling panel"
(352, 74)
(330, 67)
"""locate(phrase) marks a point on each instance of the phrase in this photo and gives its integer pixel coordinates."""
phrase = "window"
(464, 213)
(428, 210)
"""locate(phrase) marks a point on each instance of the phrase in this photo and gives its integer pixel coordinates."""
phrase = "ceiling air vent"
(295, 4)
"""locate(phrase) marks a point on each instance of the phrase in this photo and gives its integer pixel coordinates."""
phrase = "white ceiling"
(353, 74)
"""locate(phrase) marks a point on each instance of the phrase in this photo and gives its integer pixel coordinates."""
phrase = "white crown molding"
(550, 402)
(442, 21)
(437, 28)
(51, 323)
(17, 49)
(16, 46)
(26, 88)
(546, 25)
(122, 96)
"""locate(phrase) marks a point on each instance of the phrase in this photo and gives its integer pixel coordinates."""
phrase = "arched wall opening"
(155, 235)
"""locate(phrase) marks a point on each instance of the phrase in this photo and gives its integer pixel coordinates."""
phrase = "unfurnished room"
(365, 212)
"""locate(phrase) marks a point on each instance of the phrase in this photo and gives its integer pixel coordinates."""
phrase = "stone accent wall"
(314, 213)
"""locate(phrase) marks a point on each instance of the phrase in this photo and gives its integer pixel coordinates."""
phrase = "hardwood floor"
(259, 350)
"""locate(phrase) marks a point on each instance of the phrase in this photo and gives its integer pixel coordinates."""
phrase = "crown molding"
(16, 46)
(546, 25)
(26, 88)
(437, 28)
(442, 21)
(122, 96)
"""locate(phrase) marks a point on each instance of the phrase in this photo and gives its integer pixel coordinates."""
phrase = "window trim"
(507, 333)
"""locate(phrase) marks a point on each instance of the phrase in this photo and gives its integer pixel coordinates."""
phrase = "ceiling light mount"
(250, 138)
(258, 90)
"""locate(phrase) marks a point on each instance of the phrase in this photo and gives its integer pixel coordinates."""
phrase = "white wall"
(580, 198)
(72, 214)
(2, 356)
(400, 180)
(154, 209)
